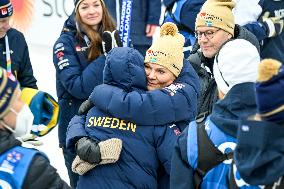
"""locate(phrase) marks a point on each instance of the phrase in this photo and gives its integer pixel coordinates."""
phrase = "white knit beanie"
(237, 62)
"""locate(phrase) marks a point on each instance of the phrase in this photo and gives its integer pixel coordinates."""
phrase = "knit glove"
(110, 40)
(109, 153)
(81, 167)
(30, 139)
(85, 107)
(273, 25)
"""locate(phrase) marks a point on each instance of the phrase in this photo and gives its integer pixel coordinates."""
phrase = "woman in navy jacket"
(79, 62)
(154, 137)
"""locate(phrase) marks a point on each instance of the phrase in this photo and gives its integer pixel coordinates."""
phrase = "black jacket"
(41, 175)
(21, 64)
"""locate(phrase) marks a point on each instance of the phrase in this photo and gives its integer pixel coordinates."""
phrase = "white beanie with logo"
(237, 62)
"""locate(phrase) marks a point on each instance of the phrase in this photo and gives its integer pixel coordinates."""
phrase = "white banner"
(41, 21)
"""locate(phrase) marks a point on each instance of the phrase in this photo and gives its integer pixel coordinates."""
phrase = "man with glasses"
(203, 152)
(214, 27)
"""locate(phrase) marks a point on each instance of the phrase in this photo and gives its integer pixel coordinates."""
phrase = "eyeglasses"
(209, 34)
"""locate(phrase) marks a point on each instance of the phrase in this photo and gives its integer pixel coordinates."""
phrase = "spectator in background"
(14, 53)
(215, 26)
(79, 61)
(202, 152)
(20, 167)
(265, 19)
(145, 18)
(259, 153)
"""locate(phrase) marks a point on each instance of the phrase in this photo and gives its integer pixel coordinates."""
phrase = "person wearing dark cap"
(14, 53)
(202, 153)
(20, 167)
(259, 153)
(214, 27)
(78, 57)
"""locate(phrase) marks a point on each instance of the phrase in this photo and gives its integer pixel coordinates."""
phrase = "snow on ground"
(41, 58)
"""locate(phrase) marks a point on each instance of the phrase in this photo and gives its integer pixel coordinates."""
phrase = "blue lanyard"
(125, 22)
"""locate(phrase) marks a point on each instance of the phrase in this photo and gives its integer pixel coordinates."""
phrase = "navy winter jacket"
(259, 155)
(75, 76)
(20, 58)
(143, 12)
(221, 127)
(143, 147)
(177, 102)
(35, 173)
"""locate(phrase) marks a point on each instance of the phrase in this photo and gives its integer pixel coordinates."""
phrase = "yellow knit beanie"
(167, 50)
(217, 13)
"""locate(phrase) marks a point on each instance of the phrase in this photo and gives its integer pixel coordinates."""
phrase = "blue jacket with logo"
(259, 154)
(143, 12)
(75, 76)
(21, 65)
(125, 69)
(24, 167)
(221, 127)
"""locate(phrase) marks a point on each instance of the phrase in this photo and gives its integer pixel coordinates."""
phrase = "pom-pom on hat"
(217, 13)
(269, 90)
(167, 50)
(6, 8)
(7, 92)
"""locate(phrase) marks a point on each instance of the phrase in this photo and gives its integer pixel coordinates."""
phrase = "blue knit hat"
(270, 90)
(7, 92)
(6, 8)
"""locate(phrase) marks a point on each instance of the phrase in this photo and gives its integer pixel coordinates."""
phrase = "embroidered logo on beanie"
(269, 90)
(6, 8)
(217, 13)
(167, 50)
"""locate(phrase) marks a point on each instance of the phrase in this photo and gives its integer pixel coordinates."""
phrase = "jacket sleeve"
(247, 13)
(165, 138)
(257, 29)
(26, 76)
(42, 175)
(156, 107)
(75, 131)
(78, 81)
(178, 102)
(181, 172)
(154, 12)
